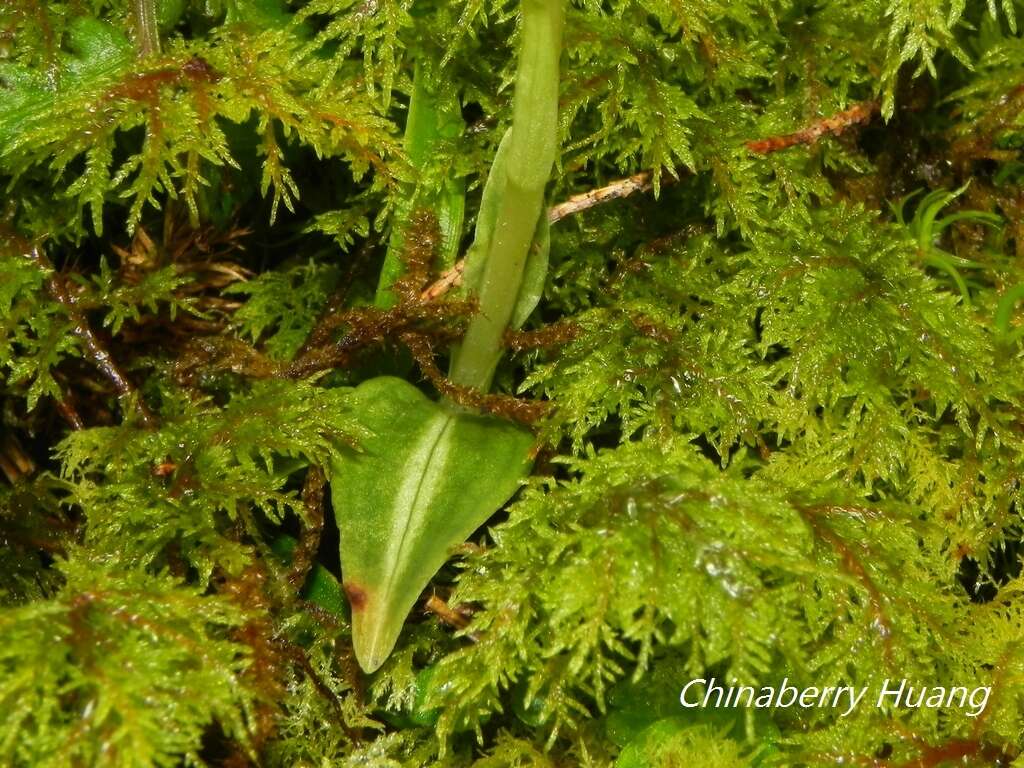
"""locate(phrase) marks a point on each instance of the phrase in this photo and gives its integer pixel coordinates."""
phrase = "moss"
(773, 376)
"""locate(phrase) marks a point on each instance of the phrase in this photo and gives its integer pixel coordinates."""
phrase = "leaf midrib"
(435, 436)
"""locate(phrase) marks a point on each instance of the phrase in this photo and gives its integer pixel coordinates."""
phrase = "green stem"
(434, 117)
(147, 27)
(475, 361)
(531, 153)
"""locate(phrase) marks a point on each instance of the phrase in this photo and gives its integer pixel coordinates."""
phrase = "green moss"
(775, 398)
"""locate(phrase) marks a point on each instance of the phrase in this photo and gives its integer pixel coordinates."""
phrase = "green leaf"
(97, 49)
(535, 268)
(429, 475)
(535, 273)
(435, 117)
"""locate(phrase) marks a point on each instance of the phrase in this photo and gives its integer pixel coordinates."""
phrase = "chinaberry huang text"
(708, 692)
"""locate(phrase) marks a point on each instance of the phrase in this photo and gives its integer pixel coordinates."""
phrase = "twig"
(14, 462)
(445, 612)
(638, 182)
(16, 453)
(449, 279)
(93, 347)
(332, 313)
(69, 414)
(551, 335)
(9, 470)
(861, 112)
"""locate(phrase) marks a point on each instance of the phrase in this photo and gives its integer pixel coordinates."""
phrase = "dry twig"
(861, 112)
(446, 613)
(638, 182)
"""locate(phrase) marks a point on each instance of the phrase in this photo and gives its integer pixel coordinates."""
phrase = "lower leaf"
(429, 475)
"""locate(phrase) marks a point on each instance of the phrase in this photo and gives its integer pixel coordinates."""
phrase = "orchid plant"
(430, 473)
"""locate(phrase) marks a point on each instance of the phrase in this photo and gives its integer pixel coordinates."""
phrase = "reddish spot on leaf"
(356, 596)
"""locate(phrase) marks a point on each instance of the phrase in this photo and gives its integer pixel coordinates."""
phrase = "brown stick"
(93, 347)
(19, 463)
(14, 462)
(66, 406)
(445, 612)
(862, 112)
(638, 182)
(451, 278)
(69, 414)
(523, 411)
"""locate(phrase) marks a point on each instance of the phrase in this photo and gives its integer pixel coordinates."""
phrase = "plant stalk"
(147, 27)
(531, 153)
